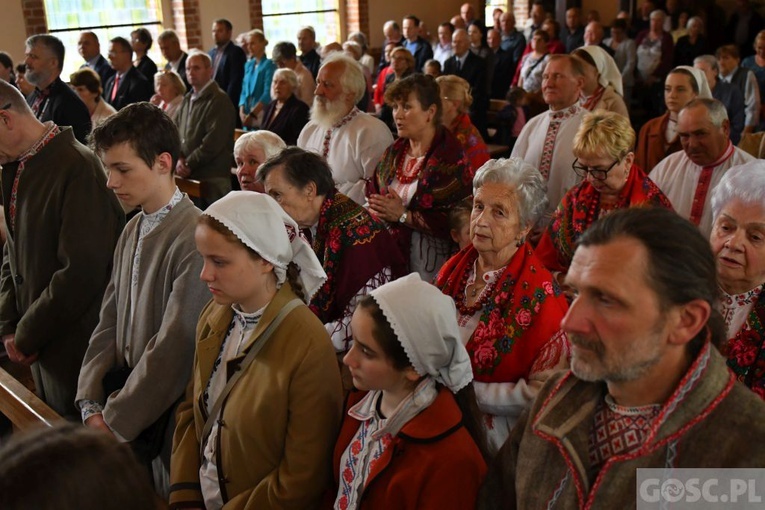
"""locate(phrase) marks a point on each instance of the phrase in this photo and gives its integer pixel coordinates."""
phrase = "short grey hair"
(525, 179)
(711, 60)
(360, 38)
(715, 109)
(289, 74)
(271, 143)
(658, 13)
(695, 19)
(744, 182)
(12, 97)
(168, 35)
(197, 53)
(355, 48)
(352, 78)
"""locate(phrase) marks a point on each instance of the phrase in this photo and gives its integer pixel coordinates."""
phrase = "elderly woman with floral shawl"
(603, 148)
(420, 177)
(509, 307)
(738, 243)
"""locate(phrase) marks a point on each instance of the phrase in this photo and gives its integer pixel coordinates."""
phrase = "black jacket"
(474, 72)
(133, 88)
(423, 54)
(148, 68)
(230, 72)
(65, 108)
(103, 68)
(181, 69)
(290, 121)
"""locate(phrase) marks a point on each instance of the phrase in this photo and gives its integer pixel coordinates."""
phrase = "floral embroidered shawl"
(746, 350)
(580, 208)
(446, 179)
(518, 323)
(352, 247)
(472, 143)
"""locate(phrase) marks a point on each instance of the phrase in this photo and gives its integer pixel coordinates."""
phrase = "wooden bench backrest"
(22, 407)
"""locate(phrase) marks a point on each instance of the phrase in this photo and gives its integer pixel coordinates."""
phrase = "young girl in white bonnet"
(411, 438)
(263, 408)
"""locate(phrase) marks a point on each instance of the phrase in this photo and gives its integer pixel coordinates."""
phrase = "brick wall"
(357, 16)
(34, 17)
(256, 14)
(187, 23)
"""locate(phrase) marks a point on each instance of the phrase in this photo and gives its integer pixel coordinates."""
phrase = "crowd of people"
(364, 309)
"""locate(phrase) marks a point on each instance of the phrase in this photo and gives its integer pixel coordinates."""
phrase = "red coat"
(432, 463)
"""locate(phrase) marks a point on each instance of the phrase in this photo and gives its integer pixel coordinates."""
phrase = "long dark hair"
(466, 400)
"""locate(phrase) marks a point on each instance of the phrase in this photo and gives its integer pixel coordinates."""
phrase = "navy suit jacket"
(474, 72)
(312, 61)
(230, 72)
(133, 88)
(423, 54)
(181, 69)
(103, 68)
(290, 121)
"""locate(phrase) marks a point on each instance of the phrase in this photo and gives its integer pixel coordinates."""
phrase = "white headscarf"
(701, 81)
(262, 225)
(425, 322)
(607, 68)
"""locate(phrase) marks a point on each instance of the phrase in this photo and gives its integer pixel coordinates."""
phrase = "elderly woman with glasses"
(611, 180)
(508, 306)
(738, 243)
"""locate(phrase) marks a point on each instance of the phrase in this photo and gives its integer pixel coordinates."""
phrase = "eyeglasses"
(596, 173)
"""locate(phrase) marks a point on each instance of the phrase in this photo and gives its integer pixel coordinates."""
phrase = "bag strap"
(254, 350)
(531, 69)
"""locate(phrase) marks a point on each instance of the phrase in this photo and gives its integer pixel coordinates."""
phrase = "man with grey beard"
(647, 386)
(52, 99)
(351, 141)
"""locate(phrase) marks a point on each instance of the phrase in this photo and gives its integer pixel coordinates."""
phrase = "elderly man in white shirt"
(688, 177)
(352, 141)
(546, 140)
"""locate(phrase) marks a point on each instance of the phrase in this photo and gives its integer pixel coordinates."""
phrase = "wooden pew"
(22, 407)
(191, 187)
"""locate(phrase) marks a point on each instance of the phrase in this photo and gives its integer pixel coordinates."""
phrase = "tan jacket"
(156, 340)
(280, 421)
(613, 102)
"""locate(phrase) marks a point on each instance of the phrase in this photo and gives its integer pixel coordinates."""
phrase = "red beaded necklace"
(412, 171)
(469, 311)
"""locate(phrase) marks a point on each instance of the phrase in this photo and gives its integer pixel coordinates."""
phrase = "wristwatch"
(403, 217)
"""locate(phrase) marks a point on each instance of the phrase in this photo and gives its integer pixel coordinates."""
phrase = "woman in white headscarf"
(658, 137)
(602, 87)
(264, 403)
(411, 439)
